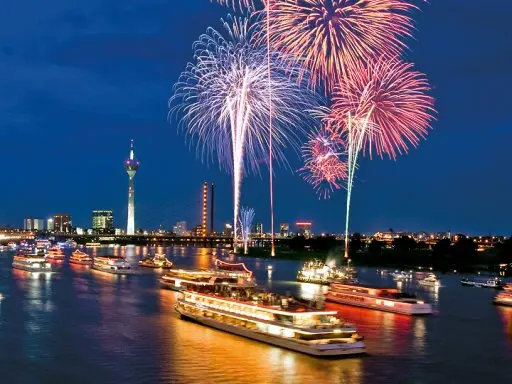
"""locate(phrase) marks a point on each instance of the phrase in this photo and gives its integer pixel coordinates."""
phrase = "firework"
(329, 36)
(234, 3)
(246, 219)
(224, 99)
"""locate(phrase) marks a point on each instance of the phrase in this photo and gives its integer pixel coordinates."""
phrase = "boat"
(382, 299)
(112, 264)
(317, 272)
(505, 297)
(270, 318)
(12, 245)
(179, 279)
(430, 281)
(495, 283)
(32, 262)
(157, 261)
(55, 255)
(80, 258)
(401, 276)
(92, 245)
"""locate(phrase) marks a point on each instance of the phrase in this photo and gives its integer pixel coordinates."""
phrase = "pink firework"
(323, 167)
(241, 4)
(391, 97)
(328, 36)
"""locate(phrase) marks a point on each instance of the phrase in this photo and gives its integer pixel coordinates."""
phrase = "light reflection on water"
(125, 327)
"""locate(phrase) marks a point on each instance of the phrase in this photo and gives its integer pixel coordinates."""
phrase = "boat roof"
(376, 287)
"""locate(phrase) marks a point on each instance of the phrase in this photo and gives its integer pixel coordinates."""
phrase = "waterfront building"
(228, 230)
(49, 224)
(131, 165)
(284, 229)
(304, 228)
(180, 229)
(62, 222)
(102, 220)
(259, 229)
(31, 224)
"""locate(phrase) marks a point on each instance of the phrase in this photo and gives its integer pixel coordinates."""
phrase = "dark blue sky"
(79, 79)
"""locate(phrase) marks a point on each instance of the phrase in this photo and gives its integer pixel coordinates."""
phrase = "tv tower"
(131, 165)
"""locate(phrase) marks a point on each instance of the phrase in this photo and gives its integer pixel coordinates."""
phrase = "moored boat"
(430, 281)
(112, 264)
(401, 276)
(317, 272)
(505, 297)
(495, 283)
(80, 258)
(33, 262)
(179, 279)
(382, 299)
(157, 261)
(55, 254)
(266, 317)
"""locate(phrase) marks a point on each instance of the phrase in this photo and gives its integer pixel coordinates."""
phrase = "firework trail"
(383, 105)
(246, 219)
(237, 4)
(224, 99)
(329, 36)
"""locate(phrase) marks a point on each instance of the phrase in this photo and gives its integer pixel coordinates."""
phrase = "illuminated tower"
(204, 216)
(131, 165)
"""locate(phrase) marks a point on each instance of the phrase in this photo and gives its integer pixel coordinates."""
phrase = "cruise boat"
(92, 245)
(317, 272)
(112, 264)
(33, 262)
(270, 318)
(401, 276)
(495, 283)
(505, 297)
(55, 255)
(157, 261)
(80, 258)
(383, 299)
(430, 281)
(179, 279)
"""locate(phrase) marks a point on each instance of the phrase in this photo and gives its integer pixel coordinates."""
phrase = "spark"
(246, 219)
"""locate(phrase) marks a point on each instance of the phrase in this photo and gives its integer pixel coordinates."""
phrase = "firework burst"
(329, 36)
(224, 99)
(241, 4)
(246, 219)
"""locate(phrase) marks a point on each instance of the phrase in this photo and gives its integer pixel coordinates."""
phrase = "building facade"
(180, 229)
(31, 224)
(284, 229)
(304, 228)
(102, 220)
(62, 222)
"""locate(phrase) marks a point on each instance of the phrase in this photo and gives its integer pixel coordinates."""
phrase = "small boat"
(112, 264)
(55, 255)
(33, 262)
(505, 297)
(317, 272)
(401, 276)
(157, 261)
(495, 283)
(80, 258)
(431, 281)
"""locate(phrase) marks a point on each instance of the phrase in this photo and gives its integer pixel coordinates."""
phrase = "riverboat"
(382, 299)
(112, 264)
(317, 272)
(401, 276)
(55, 254)
(505, 297)
(266, 317)
(157, 261)
(495, 283)
(80, 258)
(34, 262)
(430, 281)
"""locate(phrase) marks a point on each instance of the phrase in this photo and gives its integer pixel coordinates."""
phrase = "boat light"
(337, 331)
(421, 302)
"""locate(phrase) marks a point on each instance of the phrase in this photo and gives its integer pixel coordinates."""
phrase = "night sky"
(79, 79)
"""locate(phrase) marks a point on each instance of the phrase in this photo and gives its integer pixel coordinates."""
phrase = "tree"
(375, 247)
(404, 244)
(356, 244)
(297, 243)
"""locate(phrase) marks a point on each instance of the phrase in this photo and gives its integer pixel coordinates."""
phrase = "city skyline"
(80, 93)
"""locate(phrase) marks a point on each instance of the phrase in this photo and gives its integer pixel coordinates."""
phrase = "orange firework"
(391, 97)
(329, 36)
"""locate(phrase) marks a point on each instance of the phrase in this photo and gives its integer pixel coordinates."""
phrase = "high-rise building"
(204, 212)
(259, 229)
(102, 220)
(31, 224)
(304, 228)
(131, 165)
(228, 230)
(62, 222)
(49, 224)
(180, 229)
(284, 229)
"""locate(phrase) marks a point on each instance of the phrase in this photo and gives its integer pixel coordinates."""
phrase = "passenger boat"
(266, 317)
(495, 283)
(55, 255)
(92, 245)
(157, 261)
(179, 279)
(12, 245)
(382, 299)
(33, 262)
(317, 272)
(401, 276)
(430, 281)
(505, 297)
(80, 258)
(112, 264)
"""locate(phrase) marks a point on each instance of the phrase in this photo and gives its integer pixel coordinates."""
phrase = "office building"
(49, 224)
(284, 230)
(31, 224)
(228, 230)
(62, 222)
(304, 228)
(180, 229)
(259, 229)
(131, 165)
(102, 220)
